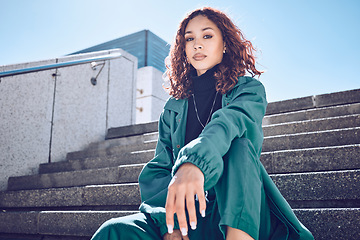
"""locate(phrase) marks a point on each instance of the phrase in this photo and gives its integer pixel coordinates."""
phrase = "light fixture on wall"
(94, 66)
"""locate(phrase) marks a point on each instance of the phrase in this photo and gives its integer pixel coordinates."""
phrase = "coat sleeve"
(240, 117)
(156, 176)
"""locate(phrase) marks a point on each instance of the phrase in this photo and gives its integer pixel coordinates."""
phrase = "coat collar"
(177, 105)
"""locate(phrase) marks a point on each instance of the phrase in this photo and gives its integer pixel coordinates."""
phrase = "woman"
(206, 180)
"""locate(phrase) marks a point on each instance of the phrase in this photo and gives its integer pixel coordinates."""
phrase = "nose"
(197, 45)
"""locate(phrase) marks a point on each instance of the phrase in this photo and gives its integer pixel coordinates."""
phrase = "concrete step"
(332, 223)
(322, 124)
(326, 119)
(109, 197)
(282, 161)
(302, 140)
(114, 160)
(292, 105)
(286, 106)
(117, 145)
(326, 189)
(325, 224)
(338, 137)
(11, 236)
(147, 141)
(132, 130)
(56, 223)
(145, 131)
(113, 175)
(310, 102)
(312, 159)
(319, 190)
(296, 161)
(315, 113)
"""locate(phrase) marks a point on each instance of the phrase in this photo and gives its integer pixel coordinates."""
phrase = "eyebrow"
(207, 28)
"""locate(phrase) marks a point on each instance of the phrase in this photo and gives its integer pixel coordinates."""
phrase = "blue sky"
(306, 47)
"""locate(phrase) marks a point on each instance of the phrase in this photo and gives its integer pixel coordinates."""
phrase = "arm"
(156, 176)
(242, 117)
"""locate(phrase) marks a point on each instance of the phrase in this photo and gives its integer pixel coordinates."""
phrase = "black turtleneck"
(203, 87)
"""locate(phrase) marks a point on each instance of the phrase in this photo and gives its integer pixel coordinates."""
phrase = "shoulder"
(174, 104)
(246, 84)
(247, 80)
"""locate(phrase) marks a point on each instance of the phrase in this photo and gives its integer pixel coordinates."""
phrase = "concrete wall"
(150, 95)
(45, 115)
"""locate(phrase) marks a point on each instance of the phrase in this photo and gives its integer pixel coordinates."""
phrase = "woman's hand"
(176, 235)
(187, 182)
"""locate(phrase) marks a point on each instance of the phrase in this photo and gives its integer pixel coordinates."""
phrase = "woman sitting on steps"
(206, 180)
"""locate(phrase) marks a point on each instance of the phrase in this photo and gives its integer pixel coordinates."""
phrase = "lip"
(199, 56)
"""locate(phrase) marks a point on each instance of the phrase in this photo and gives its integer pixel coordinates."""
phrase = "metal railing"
(59, 65)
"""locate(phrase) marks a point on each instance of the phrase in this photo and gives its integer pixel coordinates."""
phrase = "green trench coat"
(243, 109)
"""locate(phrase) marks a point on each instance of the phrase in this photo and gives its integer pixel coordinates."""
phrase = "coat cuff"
(211, 174)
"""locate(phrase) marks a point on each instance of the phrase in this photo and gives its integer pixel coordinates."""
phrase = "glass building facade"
(150, 49)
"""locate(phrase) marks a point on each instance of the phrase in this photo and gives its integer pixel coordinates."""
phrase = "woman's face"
(204, 44)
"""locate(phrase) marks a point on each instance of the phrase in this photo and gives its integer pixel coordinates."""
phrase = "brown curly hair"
(237, 60)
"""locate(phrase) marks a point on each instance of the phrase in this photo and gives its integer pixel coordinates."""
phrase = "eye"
(189, 39)
(207, 36)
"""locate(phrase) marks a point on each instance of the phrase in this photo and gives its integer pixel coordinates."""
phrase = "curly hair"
(237, 60)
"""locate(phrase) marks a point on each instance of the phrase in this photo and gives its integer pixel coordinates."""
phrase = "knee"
(113, 223)
(111, 229)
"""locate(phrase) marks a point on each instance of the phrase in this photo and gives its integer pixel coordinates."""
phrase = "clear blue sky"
(307, 47)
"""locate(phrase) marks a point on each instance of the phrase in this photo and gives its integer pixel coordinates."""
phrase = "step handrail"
(59, 65)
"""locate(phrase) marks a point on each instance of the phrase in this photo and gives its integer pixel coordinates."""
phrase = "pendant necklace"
(196, 111)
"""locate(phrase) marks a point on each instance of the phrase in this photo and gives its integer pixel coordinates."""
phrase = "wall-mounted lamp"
(94, 66)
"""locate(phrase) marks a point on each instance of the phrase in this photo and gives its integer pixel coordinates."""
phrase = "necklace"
(196, 111)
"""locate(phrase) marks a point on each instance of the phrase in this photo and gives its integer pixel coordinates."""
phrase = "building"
(150, 49)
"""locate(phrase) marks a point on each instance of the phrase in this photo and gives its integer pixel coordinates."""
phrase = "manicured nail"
(170, 229)
(183, 231)
(193, 225)
(203, 213)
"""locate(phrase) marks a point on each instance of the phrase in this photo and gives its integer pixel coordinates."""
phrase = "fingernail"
(193, 225)
(170, 229)
(203, 213)
(183, 231)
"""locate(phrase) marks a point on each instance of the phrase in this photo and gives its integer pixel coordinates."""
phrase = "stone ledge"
(111, 175)
(90, 196)
(313, 125)
(321, 186)
(97, 162)
(325, 224)
(132, 130)
(337, 137)
(330, 99)
(311, 114)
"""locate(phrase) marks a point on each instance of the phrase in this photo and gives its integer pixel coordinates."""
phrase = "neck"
(205, 82)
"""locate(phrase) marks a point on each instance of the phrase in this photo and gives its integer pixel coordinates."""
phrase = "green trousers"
(240, 202)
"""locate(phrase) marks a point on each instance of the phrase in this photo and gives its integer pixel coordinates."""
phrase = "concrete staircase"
(311, 149)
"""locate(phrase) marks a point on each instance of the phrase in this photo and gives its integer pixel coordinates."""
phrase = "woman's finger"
(202, 202)
(190, 206)
(170, 207)
(180, 212)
